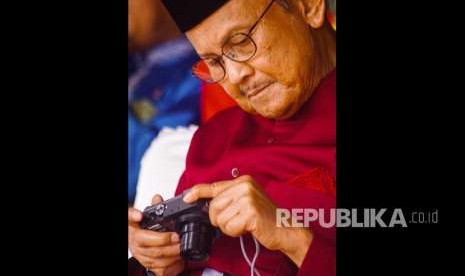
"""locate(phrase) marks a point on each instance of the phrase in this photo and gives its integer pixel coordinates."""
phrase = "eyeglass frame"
(247, 35)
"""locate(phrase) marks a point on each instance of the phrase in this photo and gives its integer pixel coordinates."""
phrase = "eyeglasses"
(240, 48)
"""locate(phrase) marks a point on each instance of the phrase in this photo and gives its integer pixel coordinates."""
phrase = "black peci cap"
(188, 13)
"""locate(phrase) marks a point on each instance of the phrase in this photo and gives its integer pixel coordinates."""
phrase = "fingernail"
(174, 237)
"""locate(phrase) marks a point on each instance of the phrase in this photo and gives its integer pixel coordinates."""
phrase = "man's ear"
(313, 12)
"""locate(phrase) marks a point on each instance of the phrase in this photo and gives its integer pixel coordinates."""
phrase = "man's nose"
(237, 71)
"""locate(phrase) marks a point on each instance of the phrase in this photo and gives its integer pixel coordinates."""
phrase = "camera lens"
(196, 240)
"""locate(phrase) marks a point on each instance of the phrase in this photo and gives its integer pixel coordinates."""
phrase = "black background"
(399, 118)
(399, 142)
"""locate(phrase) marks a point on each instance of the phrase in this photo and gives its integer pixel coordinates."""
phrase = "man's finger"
(161, 252)
(217, 205)
(227, 214)
(148, 238)
(207, 190)
(157, 199)
(235, 227)
(134, 215)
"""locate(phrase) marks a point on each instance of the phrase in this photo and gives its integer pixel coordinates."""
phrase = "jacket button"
(235, 172)
(270, 140)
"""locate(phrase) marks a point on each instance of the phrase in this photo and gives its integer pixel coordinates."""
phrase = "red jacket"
(294, 160)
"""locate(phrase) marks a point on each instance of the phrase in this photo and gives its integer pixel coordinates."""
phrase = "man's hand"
(156, 251)
(240, 205)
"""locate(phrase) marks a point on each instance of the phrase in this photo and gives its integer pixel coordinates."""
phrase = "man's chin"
(267, 112)
(276, 113)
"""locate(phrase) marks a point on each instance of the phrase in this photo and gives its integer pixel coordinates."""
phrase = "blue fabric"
(165, 80)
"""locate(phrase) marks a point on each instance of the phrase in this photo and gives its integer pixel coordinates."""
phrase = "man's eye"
(239, 39)
(213, 62)
(231, 54)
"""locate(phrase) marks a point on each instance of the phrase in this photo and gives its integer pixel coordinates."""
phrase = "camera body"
(190, 221)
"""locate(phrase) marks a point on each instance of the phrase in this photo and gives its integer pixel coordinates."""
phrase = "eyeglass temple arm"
(261, 16)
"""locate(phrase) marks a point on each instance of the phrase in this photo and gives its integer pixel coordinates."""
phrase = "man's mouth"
(256, 91)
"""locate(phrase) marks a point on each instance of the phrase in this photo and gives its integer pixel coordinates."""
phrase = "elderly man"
(277, 149)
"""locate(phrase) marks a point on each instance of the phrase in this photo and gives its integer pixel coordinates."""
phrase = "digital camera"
(190, 221)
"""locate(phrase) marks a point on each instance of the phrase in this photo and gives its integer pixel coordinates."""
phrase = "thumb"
(156, 199)
(134, 216)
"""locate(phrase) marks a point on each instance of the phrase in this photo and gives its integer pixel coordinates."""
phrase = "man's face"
(280, 76)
